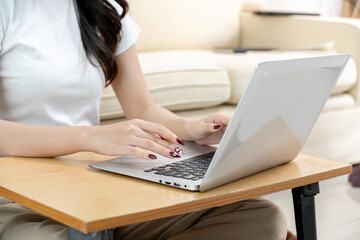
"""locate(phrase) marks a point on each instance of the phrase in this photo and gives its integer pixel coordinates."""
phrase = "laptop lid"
(274, 117)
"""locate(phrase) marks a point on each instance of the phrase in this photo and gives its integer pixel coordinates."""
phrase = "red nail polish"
(179, 141)
(173, 154)
(162, 138)
(152, 156)
(178, 150)
(217, 126)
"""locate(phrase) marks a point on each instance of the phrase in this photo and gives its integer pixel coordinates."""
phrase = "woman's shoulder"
(17, 8)
(16, 12)
(6, 6)
(6, 9)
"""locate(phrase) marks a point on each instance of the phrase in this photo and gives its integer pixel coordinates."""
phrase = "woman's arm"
(33, 141)
(134, 96)
(117, 139)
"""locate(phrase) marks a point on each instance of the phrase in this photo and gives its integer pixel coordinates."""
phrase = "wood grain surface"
(69, 191)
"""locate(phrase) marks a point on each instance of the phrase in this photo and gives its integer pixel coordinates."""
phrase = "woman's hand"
(133, 138)
(209, 130)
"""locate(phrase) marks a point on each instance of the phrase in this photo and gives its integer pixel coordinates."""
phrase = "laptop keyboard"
(189, 169)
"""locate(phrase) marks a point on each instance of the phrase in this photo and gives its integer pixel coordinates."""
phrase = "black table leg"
(304, 207)
(101, 235)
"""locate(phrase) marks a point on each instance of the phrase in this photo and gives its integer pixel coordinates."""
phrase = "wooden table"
(92, 201)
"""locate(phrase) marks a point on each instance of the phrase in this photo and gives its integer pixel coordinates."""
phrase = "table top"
(69, 191)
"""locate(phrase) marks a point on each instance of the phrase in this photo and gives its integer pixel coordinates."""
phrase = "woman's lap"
(18, 222)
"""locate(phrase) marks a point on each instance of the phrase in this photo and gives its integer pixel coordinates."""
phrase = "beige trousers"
(254, 219)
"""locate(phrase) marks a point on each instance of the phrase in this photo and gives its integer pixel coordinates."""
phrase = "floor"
(337, 209)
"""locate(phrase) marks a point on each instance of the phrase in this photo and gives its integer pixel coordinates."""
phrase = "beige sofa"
(185, 74)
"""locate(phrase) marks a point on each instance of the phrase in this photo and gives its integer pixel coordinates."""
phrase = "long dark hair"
(100, 25)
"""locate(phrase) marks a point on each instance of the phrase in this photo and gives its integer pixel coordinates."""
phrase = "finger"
(154, 147)
(162, 131)
(218, 118)
(211, 127)
(140, 153)
(156, 138)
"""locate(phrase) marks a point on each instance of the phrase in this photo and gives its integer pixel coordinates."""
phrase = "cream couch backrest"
(186, 24)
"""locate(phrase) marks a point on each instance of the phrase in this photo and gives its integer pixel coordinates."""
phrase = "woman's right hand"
(132, 137)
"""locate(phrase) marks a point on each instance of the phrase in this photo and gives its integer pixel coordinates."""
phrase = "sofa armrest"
(297, 32)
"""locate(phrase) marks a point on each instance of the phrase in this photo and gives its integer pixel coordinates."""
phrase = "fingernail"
(179, 141)
(152, 156)
(173, 154)
(217, 126)
(178, 156)
(178, 150)
(162, 138)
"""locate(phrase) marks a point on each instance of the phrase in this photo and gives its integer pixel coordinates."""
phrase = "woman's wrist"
(84, 138)
(188, 129)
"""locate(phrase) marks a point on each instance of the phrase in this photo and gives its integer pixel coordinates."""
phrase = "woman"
(55, 58)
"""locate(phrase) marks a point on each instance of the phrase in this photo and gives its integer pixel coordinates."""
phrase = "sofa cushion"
(339, 102)
(176, 84)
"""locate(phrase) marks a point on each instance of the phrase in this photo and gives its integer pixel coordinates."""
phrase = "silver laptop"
(269, 127)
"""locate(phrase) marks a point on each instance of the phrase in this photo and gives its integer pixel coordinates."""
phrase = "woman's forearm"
(176, 124)
(34, 141)
(206, 131)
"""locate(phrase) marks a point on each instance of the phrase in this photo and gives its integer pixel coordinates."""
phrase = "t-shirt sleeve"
(129, 34)
(129, 30)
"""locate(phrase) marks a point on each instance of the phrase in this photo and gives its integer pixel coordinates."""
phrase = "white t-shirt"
(45, 77)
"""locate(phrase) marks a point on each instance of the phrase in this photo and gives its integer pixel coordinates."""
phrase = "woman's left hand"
(209, 130)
